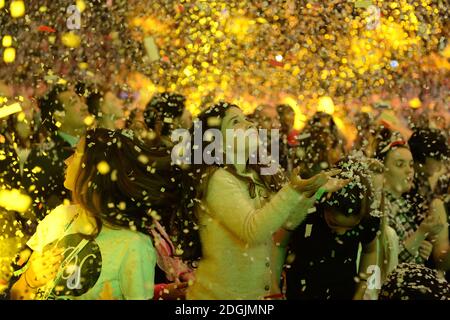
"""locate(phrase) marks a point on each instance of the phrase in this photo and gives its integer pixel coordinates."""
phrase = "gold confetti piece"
(9, 55)
(152, 50)
(83, 65)
(17, 9)
(89, 120)
(7, 41)
(11, 109)
(81, 5)
(311, 210)
(103, 167)
(114, 175)
(71, 40)
(143, 159)
(415, 103)
(308, 230)
(14, 200)
(214, 121)
(36, 169)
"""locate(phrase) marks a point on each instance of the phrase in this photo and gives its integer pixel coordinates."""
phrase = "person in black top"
(323, 250)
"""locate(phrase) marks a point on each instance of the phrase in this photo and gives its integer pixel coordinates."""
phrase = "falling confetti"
(103, 167)
(14, 200)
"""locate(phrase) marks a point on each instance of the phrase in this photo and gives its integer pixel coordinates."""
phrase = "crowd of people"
(112, 217)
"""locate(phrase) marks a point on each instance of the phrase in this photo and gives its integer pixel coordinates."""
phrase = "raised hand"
(308, 186)
(335, 184)
(323, 179)
(431, 225)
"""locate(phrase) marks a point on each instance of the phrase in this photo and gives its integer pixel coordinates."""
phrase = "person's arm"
(299, 215)
(280, 242)
(441, 246)
(42, 268)
(368, 258)
(430, 226)
(231, 204)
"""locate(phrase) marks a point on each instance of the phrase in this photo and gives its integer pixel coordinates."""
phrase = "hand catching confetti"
(310, 186)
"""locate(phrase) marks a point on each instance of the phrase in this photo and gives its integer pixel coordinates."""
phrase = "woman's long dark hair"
(122, 181)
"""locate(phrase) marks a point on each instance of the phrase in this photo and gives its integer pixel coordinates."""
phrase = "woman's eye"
(235, 121)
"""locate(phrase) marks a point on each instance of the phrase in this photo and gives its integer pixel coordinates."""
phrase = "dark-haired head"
(211, 118)
(410, 281)
(93, 102)
(62, 108)
(429, 148)
(165, 108)
(386, 141)
(287, 117)
(322, 147)
(344, 209)
(50, 103)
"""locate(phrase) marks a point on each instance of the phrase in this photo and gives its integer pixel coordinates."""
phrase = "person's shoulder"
(127, 236)
(221, 175)
(61, 212)
(220, 172)
(66, 209)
